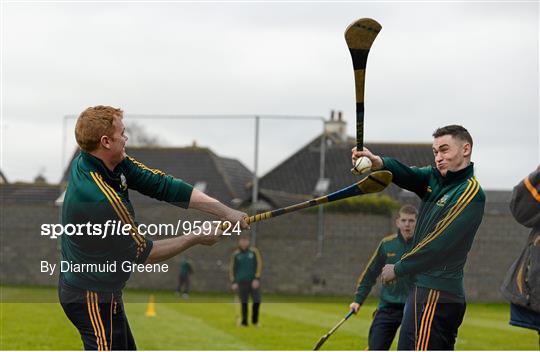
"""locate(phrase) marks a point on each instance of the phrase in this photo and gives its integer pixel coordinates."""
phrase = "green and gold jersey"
(451, 211)
(99, 197)
(245, 265)
(389, 251)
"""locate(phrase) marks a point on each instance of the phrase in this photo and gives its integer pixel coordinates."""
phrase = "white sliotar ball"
(363, 165)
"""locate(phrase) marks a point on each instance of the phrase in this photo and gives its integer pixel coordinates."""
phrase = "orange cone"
(151, 308)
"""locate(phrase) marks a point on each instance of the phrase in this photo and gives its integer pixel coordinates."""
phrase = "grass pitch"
(287, 323)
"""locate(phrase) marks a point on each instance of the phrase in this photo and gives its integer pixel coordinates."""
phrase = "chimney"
(336, 127)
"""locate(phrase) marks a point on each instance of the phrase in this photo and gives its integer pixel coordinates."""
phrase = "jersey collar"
(456, 176)
(96, 163)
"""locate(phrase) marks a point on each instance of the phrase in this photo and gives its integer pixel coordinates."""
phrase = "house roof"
(226, 178)
(278, 199)
(300, 172)
(3, 178)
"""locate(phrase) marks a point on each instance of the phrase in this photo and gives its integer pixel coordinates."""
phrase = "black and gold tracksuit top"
(449, 216)
(389, 251)
(97, 195)
(522, 283)
(245, 265)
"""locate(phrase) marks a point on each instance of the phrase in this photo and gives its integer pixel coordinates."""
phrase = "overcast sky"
(432, 64)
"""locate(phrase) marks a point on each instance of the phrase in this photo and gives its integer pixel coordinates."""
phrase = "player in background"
(245, 274)
(387, 317)
(185, 270)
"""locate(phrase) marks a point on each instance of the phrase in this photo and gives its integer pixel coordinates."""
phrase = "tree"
(138, 136)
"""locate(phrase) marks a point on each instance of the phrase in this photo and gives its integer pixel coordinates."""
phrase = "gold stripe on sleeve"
(144, 167)
(531, 188)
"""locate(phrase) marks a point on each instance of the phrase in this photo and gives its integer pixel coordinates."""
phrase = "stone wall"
(288, 245)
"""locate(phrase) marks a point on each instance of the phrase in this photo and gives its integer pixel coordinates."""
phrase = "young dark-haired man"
(450, 213)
